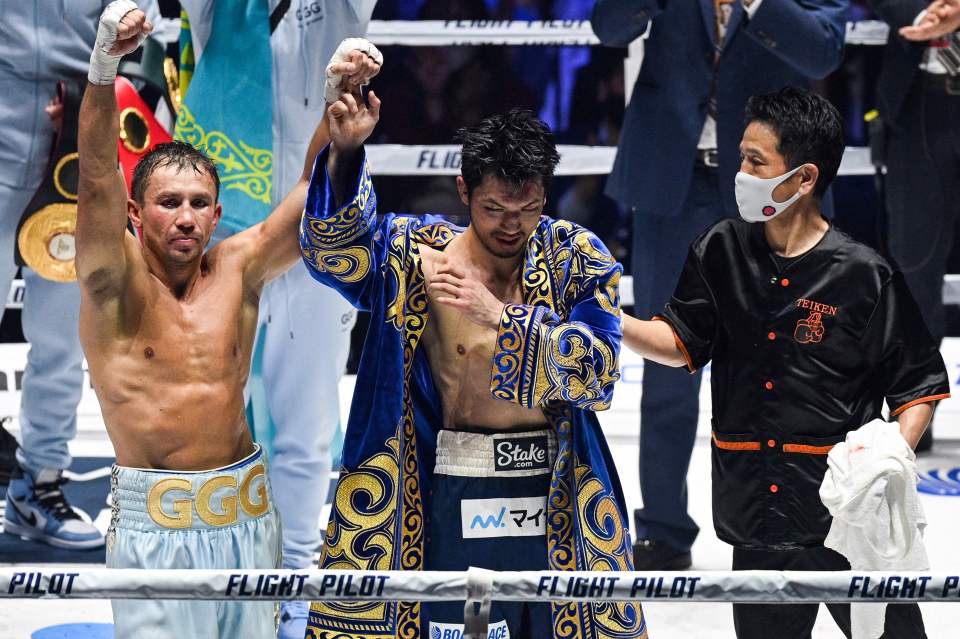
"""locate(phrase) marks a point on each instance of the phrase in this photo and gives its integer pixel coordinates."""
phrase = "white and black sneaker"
(37, 509)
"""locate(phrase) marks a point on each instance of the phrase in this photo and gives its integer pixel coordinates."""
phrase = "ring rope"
(431, 33)
(32, 582)
(444, 159)
(434, 33)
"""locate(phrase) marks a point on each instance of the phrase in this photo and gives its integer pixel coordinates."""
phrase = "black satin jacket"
(804, 350)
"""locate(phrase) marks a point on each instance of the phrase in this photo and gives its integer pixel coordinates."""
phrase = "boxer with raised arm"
(473, 438)
(168, 330)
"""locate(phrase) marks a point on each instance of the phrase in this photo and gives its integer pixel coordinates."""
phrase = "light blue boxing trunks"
(222, 518)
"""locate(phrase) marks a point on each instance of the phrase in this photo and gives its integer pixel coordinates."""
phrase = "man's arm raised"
(101, 206)
(274, 244)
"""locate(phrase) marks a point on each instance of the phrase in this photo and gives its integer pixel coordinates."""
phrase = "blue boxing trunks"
(488, 509)
(222, 518)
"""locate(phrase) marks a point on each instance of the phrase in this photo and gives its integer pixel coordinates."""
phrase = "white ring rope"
(429, 33)
(29, 582)
(444, 159)
(433, 33)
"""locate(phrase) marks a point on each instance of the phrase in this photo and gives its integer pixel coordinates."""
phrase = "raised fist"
(122, 28)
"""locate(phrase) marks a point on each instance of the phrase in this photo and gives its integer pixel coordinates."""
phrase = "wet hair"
(809, 130)
(178, 154)
(515, 147)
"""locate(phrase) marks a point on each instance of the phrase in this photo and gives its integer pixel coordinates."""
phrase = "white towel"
(871, 490)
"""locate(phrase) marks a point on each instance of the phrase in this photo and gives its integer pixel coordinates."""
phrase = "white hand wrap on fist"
(331, 91)
(103, 64)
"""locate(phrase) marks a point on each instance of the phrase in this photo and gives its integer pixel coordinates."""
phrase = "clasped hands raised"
(352, 119)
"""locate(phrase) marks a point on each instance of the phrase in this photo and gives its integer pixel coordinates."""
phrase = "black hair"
(808, 128)
(515, 147)
(176, 153)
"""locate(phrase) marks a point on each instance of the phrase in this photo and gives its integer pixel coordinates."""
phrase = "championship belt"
(45, 234)
(139, 129)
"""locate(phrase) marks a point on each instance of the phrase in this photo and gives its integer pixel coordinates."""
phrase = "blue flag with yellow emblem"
(227, 111)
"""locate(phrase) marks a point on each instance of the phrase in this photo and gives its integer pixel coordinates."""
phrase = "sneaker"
(37, 509)
(649, 554)
(293, 619)
(8, 453)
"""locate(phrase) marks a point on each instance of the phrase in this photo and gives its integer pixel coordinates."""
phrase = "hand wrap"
(103, 64)
(331, 90)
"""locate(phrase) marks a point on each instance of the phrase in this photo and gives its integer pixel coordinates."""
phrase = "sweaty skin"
(166, 328)
(467, 284)
(169, 371)
(461, 357)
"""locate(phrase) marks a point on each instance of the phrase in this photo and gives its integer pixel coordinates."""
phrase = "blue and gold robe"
(558, 350)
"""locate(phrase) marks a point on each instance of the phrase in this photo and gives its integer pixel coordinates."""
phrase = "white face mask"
(755, 196)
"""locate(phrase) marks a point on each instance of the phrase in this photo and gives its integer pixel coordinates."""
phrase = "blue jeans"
(670, 405)
(53, 378)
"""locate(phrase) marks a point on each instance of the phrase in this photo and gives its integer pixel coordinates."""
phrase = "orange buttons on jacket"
(784, 282)
(771, 336)
(771, 443)
(768, 385)
(774, 488)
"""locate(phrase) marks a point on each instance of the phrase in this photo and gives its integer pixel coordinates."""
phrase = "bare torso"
(460, 353)
(169, 372)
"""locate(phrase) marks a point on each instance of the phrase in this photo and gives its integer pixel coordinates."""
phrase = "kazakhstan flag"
(227, 110)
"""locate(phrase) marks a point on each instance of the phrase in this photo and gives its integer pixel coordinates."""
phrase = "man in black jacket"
(674, 171)
(919, 100)
(809, 333)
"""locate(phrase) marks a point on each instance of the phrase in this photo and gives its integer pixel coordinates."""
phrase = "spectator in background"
(428, 81)
(919, 103)
(419, 81)
(675, 171)
(292, 306)
(41, 44)
(596, 113)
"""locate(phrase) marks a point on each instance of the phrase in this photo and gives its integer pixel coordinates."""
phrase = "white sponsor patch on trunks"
(498, 630)
(504, 517)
